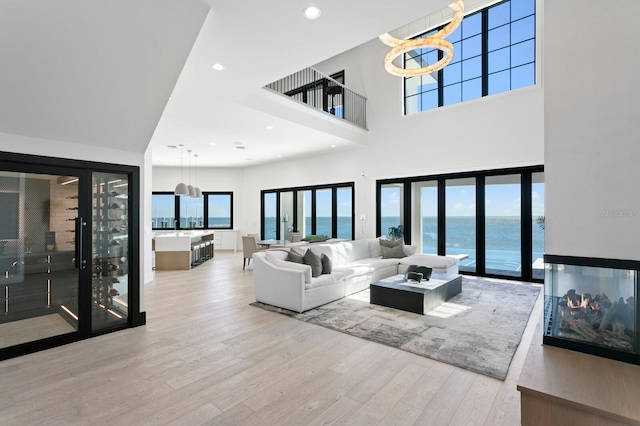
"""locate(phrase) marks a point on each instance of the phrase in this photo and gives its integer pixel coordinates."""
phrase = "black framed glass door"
(39, 247)
(69, 250)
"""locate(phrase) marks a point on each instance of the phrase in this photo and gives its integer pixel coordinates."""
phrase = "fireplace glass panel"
(592, 309)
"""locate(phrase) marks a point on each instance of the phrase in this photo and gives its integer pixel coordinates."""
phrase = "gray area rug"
(479, 329)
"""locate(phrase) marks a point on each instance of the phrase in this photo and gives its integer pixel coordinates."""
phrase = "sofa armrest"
(278, 286)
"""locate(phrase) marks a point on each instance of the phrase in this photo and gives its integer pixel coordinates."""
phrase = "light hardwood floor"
(207, 357)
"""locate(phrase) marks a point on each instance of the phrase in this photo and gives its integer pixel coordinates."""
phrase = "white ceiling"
(97, 72)
(260, 42)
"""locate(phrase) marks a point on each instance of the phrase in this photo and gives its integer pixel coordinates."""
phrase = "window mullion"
(485, 49)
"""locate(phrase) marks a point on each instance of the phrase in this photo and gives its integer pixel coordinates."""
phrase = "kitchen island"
(181, 250)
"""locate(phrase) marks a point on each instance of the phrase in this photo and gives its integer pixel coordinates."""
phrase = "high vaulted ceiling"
(102, 72)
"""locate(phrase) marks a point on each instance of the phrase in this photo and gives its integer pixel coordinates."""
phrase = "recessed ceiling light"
(269, 127)
(333, 146)
(212, 143)
(311, 12)
(217, 67)
(279, 155)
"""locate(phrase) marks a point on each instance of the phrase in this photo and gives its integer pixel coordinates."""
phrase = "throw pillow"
(392, 249)
(326, 264)
(296, 257)
(313, 260)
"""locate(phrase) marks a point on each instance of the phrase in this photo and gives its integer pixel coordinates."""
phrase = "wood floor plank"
(207, 357)
(444, 405)
(377, 408)
(401, 414)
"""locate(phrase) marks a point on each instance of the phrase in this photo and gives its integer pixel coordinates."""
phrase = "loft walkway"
(324, 93)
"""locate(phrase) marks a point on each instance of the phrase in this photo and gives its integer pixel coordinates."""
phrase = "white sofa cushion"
(409, 250)
(339, 253)
(354, 270)
(374, 247)
(360, 250)
(297, 266)
(324, 280)
(271, 255)
(377, 263)
(432, 260)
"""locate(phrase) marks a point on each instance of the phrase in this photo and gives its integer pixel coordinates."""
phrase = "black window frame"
(480, 177)
(205, 210)
(484, 55)
(313, 188)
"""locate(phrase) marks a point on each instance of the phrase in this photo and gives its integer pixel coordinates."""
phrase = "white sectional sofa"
(355, 265)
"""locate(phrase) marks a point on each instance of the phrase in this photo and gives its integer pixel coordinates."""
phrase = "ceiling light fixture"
(190, 188)
(181, 188)
(333, 146)
(400, 46)
(198, 191)
(217, 67)
(311, 12)
(269, 127)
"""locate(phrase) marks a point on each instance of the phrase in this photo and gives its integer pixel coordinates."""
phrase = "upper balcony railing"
(322, 92)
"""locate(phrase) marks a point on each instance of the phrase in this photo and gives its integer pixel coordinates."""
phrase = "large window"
(391, 207)
(344, 209)
(492, 221)
(270, 228)
(425, 217)
(494, 51)
(220, 207)
(460, 216)
(315, 210)
(191, 212)
(163, 213)
(537, 225)
(212, 211)
(503, 225)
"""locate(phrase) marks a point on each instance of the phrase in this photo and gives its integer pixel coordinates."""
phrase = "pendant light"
(191, 190)
(198, 191)
(181, 188)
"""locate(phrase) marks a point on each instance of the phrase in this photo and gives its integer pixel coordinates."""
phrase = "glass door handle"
(81, 263)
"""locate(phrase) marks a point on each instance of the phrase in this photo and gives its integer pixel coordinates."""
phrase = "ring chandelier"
(400, 46)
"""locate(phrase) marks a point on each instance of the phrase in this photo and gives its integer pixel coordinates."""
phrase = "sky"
(500, 200)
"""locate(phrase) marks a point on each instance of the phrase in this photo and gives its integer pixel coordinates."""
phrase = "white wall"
(504, 130)
(591, 128)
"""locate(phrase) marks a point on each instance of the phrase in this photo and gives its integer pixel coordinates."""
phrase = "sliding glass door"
(68, 234)
(461, 222)
(491, 220)
(503, 224)
(39, 278)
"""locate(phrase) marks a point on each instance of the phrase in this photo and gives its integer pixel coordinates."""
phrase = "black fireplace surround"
(591, 306)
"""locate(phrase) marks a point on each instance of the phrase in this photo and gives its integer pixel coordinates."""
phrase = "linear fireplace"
(591, 305)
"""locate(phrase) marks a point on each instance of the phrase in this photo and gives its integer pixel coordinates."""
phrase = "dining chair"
(249, 247)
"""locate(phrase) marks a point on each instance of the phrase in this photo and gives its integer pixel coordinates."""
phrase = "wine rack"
(109, 250)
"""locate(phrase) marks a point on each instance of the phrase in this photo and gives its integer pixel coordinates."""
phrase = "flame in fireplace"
(583, 302)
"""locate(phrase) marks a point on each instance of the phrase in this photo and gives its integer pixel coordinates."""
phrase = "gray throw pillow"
(313, 260)
(392, 249)
(326, 264)
(296, 257)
